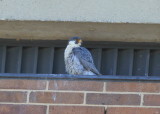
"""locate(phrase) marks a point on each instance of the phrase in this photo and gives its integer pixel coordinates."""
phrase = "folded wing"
(85, 59)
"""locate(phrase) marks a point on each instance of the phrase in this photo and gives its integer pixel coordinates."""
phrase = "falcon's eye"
(76, 41)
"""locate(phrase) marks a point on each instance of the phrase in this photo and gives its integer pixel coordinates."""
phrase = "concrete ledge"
(78, 77)
(48, 30)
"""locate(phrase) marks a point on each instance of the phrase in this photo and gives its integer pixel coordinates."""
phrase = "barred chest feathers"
(72, 63)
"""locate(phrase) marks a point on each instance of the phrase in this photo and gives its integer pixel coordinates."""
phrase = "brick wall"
(21, 96)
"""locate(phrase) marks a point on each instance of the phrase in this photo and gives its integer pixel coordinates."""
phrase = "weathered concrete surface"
(34, 30)
(112, 11)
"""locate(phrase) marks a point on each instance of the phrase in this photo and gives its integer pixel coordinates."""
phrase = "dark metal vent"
(46, 57)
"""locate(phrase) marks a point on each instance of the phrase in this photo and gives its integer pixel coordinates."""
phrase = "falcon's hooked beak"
(79, 41)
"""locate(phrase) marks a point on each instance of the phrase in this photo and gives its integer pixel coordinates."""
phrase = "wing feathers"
(85, 58)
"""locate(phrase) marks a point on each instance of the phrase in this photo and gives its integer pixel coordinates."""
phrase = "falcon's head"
(75, 41)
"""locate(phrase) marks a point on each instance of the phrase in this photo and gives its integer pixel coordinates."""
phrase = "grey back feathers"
(85, 59)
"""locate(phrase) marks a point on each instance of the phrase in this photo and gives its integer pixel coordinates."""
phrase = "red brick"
(76, 85)
(22, 109)
(75, 110)
(16, 97)
(152, 100)
(56, 97)
(113, 99)
(132, 110)
(22, 84)
(133, 87)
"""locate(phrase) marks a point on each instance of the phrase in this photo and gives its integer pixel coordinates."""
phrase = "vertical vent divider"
(3, 60)
(52, 60)
(19, 59)
(99, 58)
(115, 61)
(35, 60)
(131, 62)
(147, 63)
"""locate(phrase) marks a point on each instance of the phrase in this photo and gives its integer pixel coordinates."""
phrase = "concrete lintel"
(90, 31)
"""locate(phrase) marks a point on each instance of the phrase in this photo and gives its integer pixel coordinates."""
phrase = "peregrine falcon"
(78, 60)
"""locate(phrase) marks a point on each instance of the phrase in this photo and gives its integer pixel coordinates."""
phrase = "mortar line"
(28, 95)
(70, 91)
(104, 86)
(133, 106)
(49, 104)
(142, 99)
(85, 94)
(47, 111)
(47, 85)
(105, 109)
(42, 104)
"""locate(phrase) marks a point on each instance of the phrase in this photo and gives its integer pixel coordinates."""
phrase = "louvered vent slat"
(58, 64)
(154, 65)
(29, 60)
(2, 58)
(109, 61)
(45, 60)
